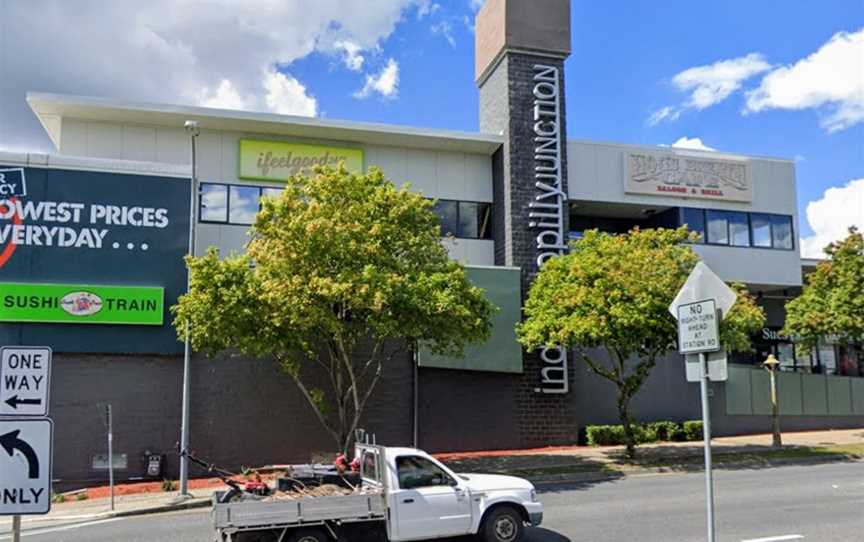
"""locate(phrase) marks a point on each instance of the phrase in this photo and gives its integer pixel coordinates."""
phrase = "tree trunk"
(626, 423)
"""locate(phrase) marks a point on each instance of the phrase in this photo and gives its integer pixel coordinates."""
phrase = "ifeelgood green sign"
(81, 304)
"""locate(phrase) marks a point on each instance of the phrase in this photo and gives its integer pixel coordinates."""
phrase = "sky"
(770, 77)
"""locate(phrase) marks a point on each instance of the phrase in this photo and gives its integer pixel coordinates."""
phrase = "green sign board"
(279, 160)
(81, 304)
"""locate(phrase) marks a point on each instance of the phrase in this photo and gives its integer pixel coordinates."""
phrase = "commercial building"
(92, 240)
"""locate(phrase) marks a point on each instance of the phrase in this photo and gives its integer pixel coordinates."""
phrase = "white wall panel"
(172, 145)
(450, 172)
(209, 155)
(73, 137)
(478, 177)
(139, 143)
(104, 140)
(421, 171)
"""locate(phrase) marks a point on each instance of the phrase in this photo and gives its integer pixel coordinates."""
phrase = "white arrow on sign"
(25, 380)
(704, 284)
(25, 466)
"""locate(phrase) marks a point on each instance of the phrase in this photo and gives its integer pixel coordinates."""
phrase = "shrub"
(57, 497)
(81, 496)
(168, 485)
(663, 431)
(693, 430)
(667, 431)
(604, 435)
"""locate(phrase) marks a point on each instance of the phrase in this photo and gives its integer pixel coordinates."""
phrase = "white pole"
(193, 131)
(706, 434)
(111, 455)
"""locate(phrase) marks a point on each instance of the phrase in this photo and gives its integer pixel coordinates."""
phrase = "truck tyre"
(309, 535)
(502, 524)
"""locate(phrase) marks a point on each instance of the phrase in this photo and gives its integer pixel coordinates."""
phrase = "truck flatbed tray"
(277, 513)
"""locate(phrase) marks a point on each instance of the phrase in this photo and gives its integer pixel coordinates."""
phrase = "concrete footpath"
(541, 465)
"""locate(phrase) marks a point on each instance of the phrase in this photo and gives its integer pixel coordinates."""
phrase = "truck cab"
(428, 500)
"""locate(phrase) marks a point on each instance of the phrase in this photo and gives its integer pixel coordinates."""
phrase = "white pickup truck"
(407, 495)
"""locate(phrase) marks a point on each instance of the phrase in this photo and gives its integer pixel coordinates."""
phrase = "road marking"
(775, 538)
(36, 532)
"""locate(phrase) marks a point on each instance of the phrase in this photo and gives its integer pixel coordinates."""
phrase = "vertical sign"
(547, 209)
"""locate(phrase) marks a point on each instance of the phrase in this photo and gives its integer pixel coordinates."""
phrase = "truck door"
(429, 502)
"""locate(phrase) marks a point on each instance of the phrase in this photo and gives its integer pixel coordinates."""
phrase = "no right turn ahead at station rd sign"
(25, 466)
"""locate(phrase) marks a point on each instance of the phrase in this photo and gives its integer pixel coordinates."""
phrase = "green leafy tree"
(610, 294)
(832, 300)
(342, 273)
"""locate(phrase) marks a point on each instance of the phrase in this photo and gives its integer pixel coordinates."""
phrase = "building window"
(232, 203)
(739, 229)
(718, 228)
(728, 228)
(694, 219)
(761, 228)
(781, 231)
(243, 204)
(213, 203)
(465, 219)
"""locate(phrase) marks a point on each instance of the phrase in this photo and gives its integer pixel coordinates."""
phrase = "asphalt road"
(818, 503)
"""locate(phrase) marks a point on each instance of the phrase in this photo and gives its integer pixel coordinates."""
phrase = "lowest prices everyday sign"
(81, 304)
(698, 327)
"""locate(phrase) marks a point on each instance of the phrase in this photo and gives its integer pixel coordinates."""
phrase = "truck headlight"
(533, 495)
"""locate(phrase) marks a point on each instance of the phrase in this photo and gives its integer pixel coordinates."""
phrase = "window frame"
(748, 215)
(257, 202)
(459, 202)
(449, 480)
(201, 203)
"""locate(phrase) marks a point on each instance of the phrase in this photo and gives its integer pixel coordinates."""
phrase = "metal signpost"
(26, 434)
(701, 303)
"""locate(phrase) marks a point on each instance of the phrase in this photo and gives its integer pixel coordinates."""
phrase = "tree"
(342, 273)
(610, 294)
(832, 300)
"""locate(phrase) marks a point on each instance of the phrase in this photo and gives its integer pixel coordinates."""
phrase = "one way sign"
(25, 380)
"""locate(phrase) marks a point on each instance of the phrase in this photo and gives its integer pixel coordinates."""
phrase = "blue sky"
(411, 62)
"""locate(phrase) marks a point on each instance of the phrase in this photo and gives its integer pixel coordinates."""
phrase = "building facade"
(92, 240)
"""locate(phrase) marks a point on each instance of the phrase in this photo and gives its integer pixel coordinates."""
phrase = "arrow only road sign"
(25, 380)
(25, 466)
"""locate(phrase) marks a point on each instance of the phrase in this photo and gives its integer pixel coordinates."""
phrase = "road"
(817, 503)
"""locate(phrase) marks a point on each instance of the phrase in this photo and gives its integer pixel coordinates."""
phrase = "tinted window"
(243, 204)
(781, 231)
(739, 229)
(214, 202)
(761, 227)
(718, 227)
(694, 219)
(448, 213)
(369, 466)
(415, 471)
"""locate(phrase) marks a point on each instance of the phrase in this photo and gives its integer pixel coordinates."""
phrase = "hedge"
(664, 431)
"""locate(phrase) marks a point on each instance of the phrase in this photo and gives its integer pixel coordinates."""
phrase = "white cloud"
(711, 84)
(172, 50)
(445, 29)
(385, 83)
(427, 7)
(285, 95)
(224, 97)
(832, 78)
(694, 143)
(475, 4)
(351, 54)
(664, 113)
(831, 216)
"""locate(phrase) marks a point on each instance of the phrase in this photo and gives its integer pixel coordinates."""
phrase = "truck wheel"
(503, 524)
(309, 535)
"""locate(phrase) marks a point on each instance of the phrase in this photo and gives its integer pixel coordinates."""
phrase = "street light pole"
(193, 130)
(770, 365)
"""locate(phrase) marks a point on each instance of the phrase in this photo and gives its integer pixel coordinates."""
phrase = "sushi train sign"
(81, 304)
(26, 221)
